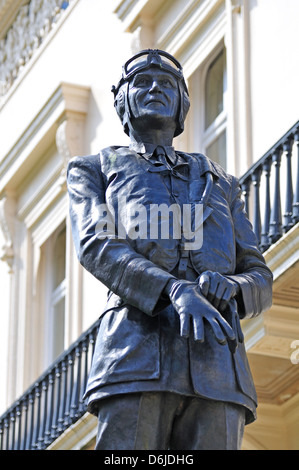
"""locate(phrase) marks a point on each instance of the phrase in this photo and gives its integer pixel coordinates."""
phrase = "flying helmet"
(141, 61)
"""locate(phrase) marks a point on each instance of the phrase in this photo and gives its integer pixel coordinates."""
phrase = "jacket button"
(118, 303)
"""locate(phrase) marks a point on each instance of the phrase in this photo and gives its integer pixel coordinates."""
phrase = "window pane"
(58, 293)
(217, 150)
(59, 259)
(214, 89)
(58, 329)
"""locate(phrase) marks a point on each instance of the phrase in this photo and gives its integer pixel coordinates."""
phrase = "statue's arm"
(252, 274)
(111, 260)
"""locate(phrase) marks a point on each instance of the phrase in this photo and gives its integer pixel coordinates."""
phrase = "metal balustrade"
(269, 223)
(54, 401)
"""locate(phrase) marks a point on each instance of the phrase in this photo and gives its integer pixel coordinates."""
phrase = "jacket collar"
(205, 164)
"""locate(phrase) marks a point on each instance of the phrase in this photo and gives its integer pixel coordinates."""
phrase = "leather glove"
(232, 317)
(218, 289)
(193, 308)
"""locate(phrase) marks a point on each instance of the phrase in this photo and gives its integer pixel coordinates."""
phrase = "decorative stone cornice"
(24, 25)
(130, 12)
(60, 121)
(68, 102)
(8, 12)
(124, 8)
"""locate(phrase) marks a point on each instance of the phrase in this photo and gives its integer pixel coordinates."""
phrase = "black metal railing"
(272, 179)
(53, 402)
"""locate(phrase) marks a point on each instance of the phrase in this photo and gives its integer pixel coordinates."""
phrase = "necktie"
(162, 156)
(180, 170)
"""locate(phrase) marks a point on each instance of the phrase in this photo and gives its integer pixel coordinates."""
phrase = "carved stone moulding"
(7, 212)
(61, 121)
(24, 25)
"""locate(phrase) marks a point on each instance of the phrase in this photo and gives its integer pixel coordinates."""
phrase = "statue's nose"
(155, 87)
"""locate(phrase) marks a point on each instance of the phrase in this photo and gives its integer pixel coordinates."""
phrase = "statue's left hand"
(217, 289)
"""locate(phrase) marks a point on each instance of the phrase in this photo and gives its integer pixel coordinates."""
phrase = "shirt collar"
(148, 149)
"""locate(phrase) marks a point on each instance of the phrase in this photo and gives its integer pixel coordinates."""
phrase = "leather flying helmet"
(141, 61)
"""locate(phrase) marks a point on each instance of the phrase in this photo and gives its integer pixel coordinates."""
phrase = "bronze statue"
(169, 369)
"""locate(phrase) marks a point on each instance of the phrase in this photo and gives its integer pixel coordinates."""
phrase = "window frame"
(204, 137)
(49, 295)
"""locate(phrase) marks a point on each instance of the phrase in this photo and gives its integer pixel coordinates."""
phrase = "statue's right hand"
(194, 309)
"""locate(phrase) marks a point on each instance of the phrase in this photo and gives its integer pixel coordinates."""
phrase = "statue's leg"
(208, 425)
(136, 421)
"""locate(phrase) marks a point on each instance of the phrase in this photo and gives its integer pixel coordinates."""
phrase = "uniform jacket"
(137, 270)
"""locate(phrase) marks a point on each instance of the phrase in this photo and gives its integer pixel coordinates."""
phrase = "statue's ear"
(184, 108)
(122, 107)
(119, 104)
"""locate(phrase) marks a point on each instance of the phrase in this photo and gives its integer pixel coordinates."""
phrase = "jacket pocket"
(127, 347)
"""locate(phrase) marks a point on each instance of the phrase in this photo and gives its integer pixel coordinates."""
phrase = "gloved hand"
(232, 317)
(194, 308)
(218, 289)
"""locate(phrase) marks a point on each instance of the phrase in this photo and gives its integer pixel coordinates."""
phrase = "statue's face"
(154, 96)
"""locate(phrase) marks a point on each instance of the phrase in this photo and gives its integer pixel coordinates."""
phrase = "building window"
(217, 149)
(52, 295)
(214, 89)
(58, 293)
(207, 120)
(214, 135)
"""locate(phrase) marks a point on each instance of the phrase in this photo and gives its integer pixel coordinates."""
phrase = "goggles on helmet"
(155, 57)
(152, 58)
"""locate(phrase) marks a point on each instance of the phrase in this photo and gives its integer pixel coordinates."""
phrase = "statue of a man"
(169, 369)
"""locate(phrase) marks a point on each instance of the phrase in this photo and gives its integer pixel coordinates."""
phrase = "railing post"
(296, 194)
(13, 430)
(69, 388)
(31, 421)
(50, 412)
(25, 431)
(57, 385)
(44, 410)
(1, 436)
(76, 389)
(85, 373)
(62, 405)
(256, 178)
(36, 404)
(265, 243)
(19, 425)
(287, 147)
(7, 431)
(275, 231)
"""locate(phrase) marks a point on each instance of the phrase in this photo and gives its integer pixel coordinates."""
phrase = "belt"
(189, 273)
